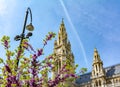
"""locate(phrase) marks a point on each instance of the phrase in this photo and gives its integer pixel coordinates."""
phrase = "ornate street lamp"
(29, 27)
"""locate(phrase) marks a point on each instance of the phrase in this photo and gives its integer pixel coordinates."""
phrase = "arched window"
(96, 68)
(99, 82)
(95, 57)
(116, 80)
(97, 74)
(96, 83)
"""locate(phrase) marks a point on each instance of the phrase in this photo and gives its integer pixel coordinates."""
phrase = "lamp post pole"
(23, 32)
(28, 27)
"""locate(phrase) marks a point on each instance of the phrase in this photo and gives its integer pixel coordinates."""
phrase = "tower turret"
(98, 73)
(97, 65)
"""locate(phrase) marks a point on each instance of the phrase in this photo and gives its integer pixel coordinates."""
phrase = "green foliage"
(5, 42)
(83, 70)
(1, 60)
(30, 70)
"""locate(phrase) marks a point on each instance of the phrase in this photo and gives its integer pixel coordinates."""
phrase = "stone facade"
(100, 77)
(63, 54)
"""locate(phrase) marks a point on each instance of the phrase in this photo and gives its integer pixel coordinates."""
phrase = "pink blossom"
(40, 52)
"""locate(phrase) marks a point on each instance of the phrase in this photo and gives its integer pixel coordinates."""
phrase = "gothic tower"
(98, 72)
(62, 51)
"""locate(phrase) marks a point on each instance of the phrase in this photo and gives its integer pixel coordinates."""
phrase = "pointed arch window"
(95, 57)
(96, 68)
(63, 51)
(99, 82)
(96, 83)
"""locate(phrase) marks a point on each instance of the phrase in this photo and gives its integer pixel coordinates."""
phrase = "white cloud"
(3, 7)
(7, 9)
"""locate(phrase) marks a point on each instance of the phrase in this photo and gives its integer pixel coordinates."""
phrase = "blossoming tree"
(21, 71)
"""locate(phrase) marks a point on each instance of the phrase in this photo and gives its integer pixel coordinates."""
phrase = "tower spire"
(96, 57)
(62, 52)
(62, 27)
(62, 35)
(98, 70)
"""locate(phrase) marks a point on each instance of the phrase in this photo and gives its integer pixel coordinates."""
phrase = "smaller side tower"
(98, 72)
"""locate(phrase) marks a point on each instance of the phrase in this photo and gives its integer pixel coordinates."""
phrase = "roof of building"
(110, 71)
(83, 78)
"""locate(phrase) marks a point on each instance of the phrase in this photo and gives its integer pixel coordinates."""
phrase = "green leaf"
(1, 60)
(83, 70)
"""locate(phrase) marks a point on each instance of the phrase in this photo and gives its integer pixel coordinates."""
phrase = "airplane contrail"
(75, 32)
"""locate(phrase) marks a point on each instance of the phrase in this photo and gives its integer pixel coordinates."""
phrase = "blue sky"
(89, 24)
